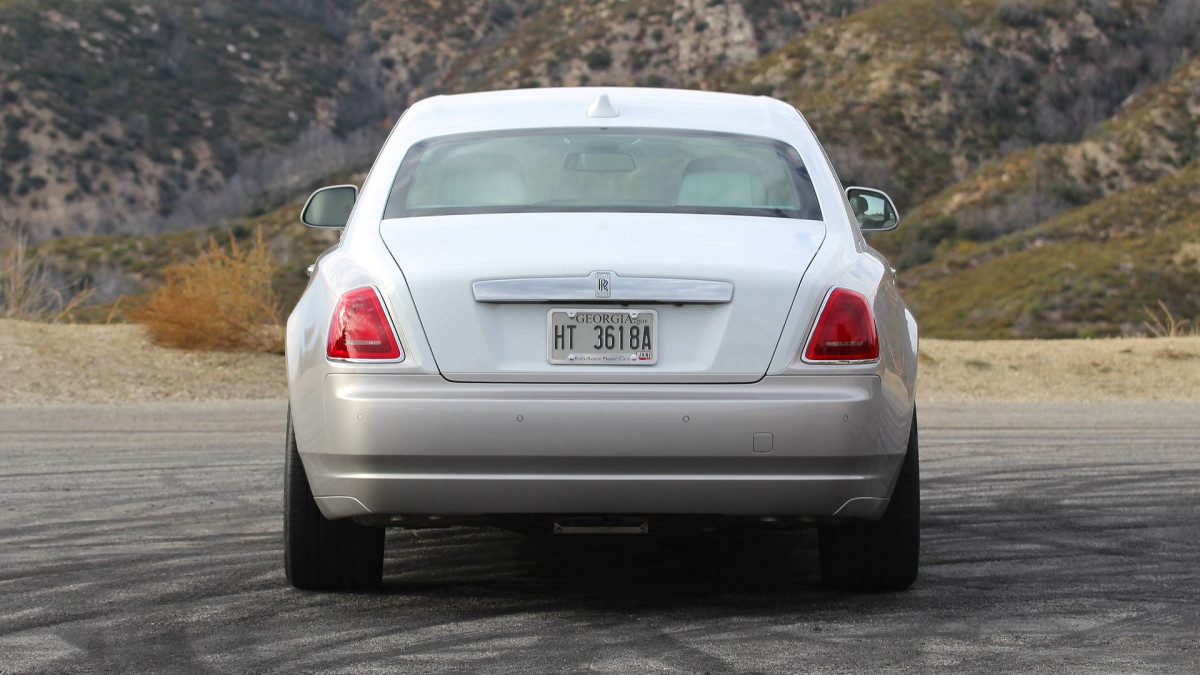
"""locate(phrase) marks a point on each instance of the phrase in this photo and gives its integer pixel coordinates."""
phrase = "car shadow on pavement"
(606, 569)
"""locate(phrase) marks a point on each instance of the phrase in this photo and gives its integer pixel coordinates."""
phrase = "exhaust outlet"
(601, 525)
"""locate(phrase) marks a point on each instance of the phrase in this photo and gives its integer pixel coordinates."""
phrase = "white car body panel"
(473, 341)
(375, 437)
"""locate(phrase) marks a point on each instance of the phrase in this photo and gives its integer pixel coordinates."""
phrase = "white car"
(601, 311)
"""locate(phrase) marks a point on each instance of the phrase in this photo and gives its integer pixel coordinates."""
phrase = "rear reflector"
(845, 331)
(360, 328)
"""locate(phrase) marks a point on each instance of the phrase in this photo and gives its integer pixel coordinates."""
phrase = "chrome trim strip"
(620, 289)
(589, 376)
(609, 477)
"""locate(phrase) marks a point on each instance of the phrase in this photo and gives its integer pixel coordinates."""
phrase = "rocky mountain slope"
(912, 95)
(1043, 152)
(1094, 270)
(1153, 136)
(141, 117)
(135, 118)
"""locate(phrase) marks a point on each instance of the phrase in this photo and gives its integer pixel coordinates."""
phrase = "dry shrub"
(1162, 323)
(26, 291)
(221, 300)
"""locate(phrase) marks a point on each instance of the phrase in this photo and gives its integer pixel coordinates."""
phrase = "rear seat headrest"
(484, 179)
(722, 181)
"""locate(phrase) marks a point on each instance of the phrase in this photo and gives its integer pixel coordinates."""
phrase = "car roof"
(568, 107)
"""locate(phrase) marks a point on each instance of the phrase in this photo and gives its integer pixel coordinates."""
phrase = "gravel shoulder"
(1067, 371)
(59, 363)
(76, 363)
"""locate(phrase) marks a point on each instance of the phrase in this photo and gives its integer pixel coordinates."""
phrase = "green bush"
(598, 59)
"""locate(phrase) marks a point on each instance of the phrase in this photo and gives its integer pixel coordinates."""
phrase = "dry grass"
(221, 300)
(26, 290)
(117, 364)
(1162, 323)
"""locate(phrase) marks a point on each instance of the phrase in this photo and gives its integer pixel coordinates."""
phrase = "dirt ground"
(58, 363)
(1068, 371)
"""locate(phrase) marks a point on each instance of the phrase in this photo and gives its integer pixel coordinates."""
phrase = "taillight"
(360, 328)
(845, 331)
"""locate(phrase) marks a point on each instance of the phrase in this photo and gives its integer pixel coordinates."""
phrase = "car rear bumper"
(808, 446)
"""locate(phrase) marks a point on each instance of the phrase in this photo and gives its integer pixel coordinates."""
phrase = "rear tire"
(883, 555)
(318, 553)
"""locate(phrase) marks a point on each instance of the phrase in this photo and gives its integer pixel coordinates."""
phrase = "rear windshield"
(626, 170)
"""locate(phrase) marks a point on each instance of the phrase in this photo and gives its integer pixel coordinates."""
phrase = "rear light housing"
(361, 330)
(844, 332)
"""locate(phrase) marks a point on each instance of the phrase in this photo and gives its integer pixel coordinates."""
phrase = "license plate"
(602, 337)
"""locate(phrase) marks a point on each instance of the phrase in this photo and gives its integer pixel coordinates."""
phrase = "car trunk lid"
(721, 286)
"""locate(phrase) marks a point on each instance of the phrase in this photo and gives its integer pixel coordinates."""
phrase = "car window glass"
(603, 170)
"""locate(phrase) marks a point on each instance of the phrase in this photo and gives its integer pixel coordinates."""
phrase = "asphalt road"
(1057, 538)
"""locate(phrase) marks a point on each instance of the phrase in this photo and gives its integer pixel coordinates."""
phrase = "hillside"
(1043, 152)
(135, 118)
(1092, 271)
(913, 95)
(1151, 137)
(117, 268)
(432, 47)
(122, 117)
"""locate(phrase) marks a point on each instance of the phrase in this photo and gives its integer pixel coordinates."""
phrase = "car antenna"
(603, 107)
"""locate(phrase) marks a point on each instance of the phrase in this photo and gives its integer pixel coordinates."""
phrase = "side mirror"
(329, 207)
(873, 209)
